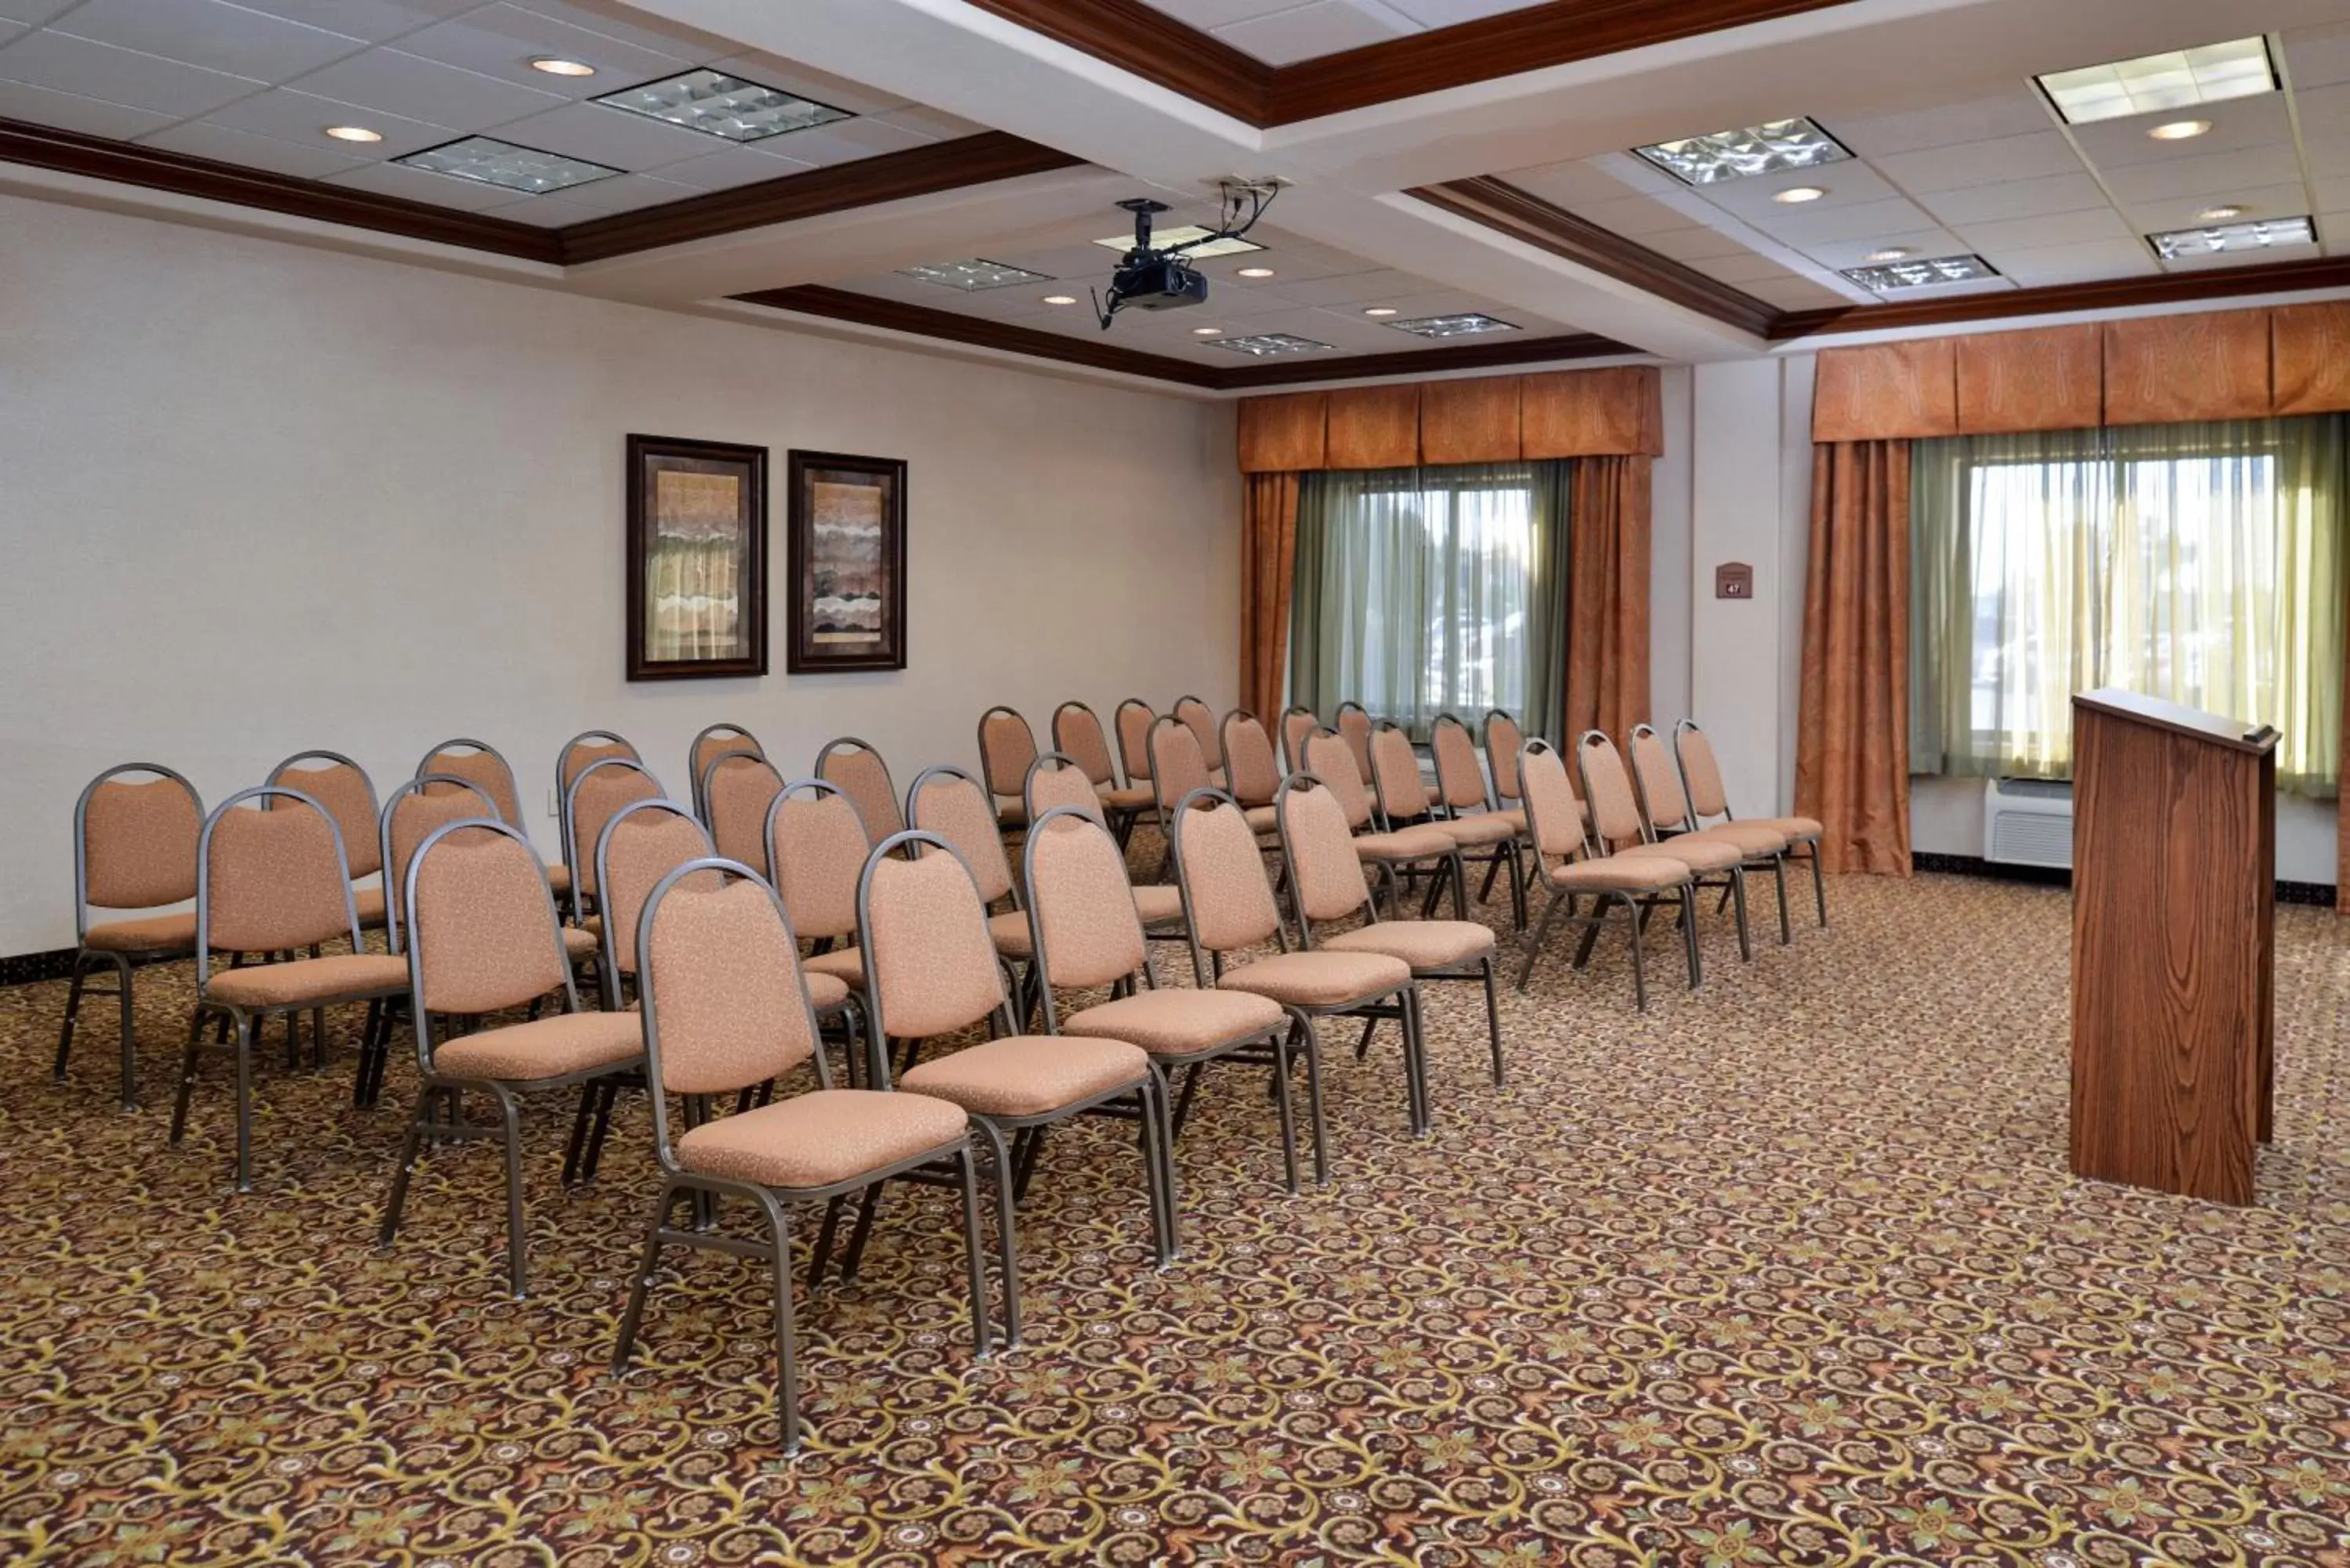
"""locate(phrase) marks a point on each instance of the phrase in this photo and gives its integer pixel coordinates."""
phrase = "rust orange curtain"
(1606, 596)
(1852, 756)
(1268, 570)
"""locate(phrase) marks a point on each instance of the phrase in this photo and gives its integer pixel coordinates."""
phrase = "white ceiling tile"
(1794, 293)
(2323, 111)
(612, 136)
(2217, 174)
(501, 40)
(2036, 265)
(208, 32)
(1742, 269)
(1322, 28)
(1453, 12)
(2333, 195)
(1920, 243)
(1572, 184)
(1801, 227)
(2333, 230)
(2181, 211)
(625, 23)
(1693, 245)
(2016, 199)
(805, 81)
(418, 185)
(2110, 144)
(2055, 229)
(202, 138)
(303, 118)
(932, 124)
(32, 12)
(1982, 163)
(1350, 287)
(427, 91)
(730, 166)
(845, 141)
(2317, 57)
(375, 20)
(1848, 184)
(71, 111)
(10, 29)
(59, 60)
(1205, 13)
(1634, 216)
(2017, 113)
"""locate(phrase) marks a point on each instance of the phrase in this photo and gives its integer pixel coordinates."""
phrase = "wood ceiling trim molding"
(130, 163)
(1203, 67)
(1501, 206)
(2111, 294)
(980, 160)
(927, 321)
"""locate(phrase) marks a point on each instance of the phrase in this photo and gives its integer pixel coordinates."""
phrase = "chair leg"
(1006, 1243)
(1640, 981)
(787, 1374)
(822, 1253)
(1415, 1060)
(245, 1043)
(1151, 1102)
(854, 1259)
(517, 1261)
(1280, 1049)
(1493, 1018)
(1738, 888)
(597, 1134)
(408, 1152)
(1819, 887)
(1534, 942)
(642, 1284)
(1320, 1128)
(129, 1034)
(579, 1121)
(981, 1346)
(1363, 1046)
(73, 1006)
(1183, 1101)
(1779, 878)
(1689, 933)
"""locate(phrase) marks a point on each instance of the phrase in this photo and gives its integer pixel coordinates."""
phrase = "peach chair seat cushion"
(1794, 829)
(1029, 1074)
(1010, 933)
(846, 965)
(558, 877)
(1011, 813)
(1424, 944)
(550, 1047)
(1702, 855)
(1516, 817)
(151, 934)
(1752, 837)
(1126, 797)
(1404, 844)
(1620, 874)
(1158, 903)
(369, 903)
(822, 1137)
(1261, 818)
(1319, 979)
(826, 992)
(307, 981)
(579, 943)
(1482, 828)
(1176, 1023)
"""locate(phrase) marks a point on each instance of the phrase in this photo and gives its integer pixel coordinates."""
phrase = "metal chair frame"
(1810, 846)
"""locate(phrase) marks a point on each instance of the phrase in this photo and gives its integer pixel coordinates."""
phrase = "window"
(2198, 562)
(1422, 591)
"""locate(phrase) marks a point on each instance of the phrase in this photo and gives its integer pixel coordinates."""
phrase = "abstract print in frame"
(697, 568)
(847, 563)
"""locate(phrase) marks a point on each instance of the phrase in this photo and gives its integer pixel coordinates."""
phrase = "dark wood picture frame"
(811, 646)
(649, 456)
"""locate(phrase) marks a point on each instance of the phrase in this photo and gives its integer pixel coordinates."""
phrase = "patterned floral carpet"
(1788, 1271)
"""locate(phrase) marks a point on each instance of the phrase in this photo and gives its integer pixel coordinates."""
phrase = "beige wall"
(255, 498)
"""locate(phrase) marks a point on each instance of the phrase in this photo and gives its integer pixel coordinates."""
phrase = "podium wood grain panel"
(2173, 912)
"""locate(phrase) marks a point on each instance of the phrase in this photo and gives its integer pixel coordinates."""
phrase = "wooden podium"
(2174, 907)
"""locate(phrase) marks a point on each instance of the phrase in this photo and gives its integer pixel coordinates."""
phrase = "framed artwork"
(847, 563)
(697, 568)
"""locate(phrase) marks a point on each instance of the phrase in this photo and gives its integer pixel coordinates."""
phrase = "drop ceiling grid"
(256, 83)
(1283, 32)
(1998, 175)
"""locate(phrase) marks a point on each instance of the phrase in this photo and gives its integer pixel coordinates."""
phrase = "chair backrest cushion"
(1077, 733)
(601, 794)
(1224, 879)
(1006, 747)
(139, 844)
(1200, 720)
(1552, 813)
(1330, 884)
(412, 815)
(1395, 768)
(725, 991)
(716, 742)
(741, 790)
(487, 771)
(864, 778)
(578, 758)
(639, 848)
(955, 810)
(275, 882)
(1051, 785)
(1703, 773)
(1614, 813)
(817, 845)
(1355, 729)
(1296, 726)
(1134, 720)
(1331, 760)
(1084, 903)
(348, 796)
(483, 927)
(927, 943)
(1459, 780)
(1177, 764)
(1660, 781)
(1252, 772)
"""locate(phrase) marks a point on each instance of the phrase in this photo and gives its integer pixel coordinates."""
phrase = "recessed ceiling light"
(1462, 323)
(1770, 149)
(2148, 83)
(2220, 214)
(1904, 274)
(1795, 193)
(2180, 130)
(1889, 254)
(354, 133)
(1256, 272)
(559, 67)
(719, 105)
(1185, 239)
(1060, 299)
(1207, 332)
(496, 162)
(1379, 310)
(975, 275)
(2261, 234)
(1268, 345)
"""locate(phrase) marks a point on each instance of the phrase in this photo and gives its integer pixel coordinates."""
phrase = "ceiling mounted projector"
(1161, 277)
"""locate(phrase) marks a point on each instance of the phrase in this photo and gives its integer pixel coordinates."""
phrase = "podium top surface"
(2177, 718)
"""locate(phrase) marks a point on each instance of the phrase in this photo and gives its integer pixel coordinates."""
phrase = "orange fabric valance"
(2151, 370)
(1613, 413)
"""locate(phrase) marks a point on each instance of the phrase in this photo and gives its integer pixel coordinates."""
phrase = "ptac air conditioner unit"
(2028, 822)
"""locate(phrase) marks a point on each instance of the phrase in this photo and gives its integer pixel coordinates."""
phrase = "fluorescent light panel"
(1771, 148)
(1266, 344)
(1163, 238)
(1894, 276)
(1466, 323)
(723, 106)
(2181, 79)
(493, 162)
(2217, 239)
(973, 275)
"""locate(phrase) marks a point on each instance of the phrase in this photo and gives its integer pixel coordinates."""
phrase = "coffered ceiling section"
(2230, 154)
(1283, 31)
(540, 112)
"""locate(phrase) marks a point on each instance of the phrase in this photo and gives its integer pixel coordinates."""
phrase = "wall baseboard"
(2320, 893)
(24, 969)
